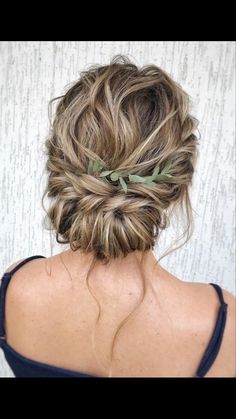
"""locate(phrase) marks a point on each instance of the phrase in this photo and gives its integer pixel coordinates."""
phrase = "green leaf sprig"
(96, 167)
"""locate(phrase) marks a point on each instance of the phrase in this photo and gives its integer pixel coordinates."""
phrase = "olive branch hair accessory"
(95, 168)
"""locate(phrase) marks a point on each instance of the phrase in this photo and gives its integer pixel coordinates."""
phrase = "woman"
(120, 159)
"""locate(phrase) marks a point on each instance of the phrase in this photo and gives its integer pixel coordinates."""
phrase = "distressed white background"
(31, 73)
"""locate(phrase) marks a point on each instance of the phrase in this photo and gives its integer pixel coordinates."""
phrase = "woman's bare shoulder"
(205, 304)
(28, 298)
(31, 280)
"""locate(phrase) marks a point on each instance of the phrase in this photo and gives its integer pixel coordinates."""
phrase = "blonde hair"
(131, 119)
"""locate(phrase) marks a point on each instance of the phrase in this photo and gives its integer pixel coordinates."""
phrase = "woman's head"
(131, 119)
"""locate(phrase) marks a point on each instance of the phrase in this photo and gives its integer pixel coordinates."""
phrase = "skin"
(166, 336)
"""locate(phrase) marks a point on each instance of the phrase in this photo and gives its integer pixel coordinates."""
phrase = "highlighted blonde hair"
(131, 119)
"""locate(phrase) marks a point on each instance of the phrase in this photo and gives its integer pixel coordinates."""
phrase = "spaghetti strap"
(219, 292)
(23, 262)
(217, 336)
(3, 288)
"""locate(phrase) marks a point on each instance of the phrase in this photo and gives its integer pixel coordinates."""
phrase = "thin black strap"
(219, 292)
(217, 336)
(23, 262)
(3, 288)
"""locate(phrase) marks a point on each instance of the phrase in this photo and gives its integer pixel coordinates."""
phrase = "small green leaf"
(123, 184)
(90, 167)
(148, 178)
(115, 176)
(105, 173)
(155, 172)
(162, 177)
(166, 168)
(96, 166)
(136, 179)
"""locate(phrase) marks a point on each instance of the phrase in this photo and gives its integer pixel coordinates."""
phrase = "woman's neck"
(115, 268)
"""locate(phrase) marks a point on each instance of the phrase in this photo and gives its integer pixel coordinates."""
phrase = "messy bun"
(130, 119)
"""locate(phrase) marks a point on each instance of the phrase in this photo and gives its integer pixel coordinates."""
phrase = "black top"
(25, 367)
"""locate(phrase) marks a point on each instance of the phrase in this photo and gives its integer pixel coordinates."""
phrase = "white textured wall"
(33, 72)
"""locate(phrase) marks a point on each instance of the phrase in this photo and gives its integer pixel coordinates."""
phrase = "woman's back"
(166, 336)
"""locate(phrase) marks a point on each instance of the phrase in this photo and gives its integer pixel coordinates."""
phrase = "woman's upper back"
(167, 336)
